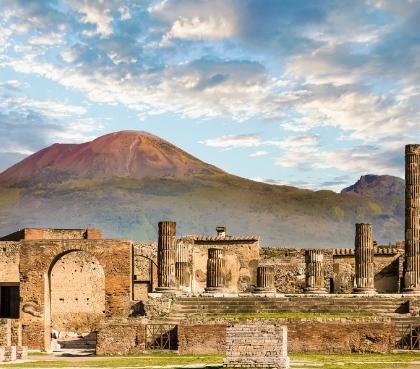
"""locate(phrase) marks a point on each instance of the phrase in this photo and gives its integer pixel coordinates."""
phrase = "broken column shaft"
(166, 257)
(412, 219)
(315, 282)
(215, 273)
(364, 268)
(265, 279)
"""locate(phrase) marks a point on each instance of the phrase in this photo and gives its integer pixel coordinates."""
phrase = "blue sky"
(308, 93)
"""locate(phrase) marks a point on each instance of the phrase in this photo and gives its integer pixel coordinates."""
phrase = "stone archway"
(76, 294)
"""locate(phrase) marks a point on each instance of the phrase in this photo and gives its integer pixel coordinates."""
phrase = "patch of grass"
(297, 315)
(358, 361)
(121, 362)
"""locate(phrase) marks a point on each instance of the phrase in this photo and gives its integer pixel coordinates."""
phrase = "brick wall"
(198, 338)
(326, 336)
(9, 262)
(116, 338)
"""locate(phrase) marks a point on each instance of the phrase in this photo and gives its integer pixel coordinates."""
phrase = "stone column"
(182, 266)
(412, 219)
(166, 257)
(314, 272)
(364, 268)
(215, 272)
(265, 279)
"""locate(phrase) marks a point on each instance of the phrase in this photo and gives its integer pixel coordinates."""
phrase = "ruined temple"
(66, 287)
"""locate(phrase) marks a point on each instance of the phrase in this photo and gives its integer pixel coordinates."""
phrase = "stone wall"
(144, 269)
(197, 338)
(77, 293)
(9, 262)
(256, 346)
(304, 335)
(11, 348)
(240, 263)
(289, 267)
(54, 234)
(36, 261)
(121, 338)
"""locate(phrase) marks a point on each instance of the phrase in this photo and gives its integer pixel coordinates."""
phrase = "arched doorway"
(77, 298)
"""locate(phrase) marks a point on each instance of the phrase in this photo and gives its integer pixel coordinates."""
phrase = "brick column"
(215, 272)
(314, 272)
(412, 219)
(166, 257)
(364, 268)
(265, 279)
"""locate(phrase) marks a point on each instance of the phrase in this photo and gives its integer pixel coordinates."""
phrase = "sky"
(312, 94)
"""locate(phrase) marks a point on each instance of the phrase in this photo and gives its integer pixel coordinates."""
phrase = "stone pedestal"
(364, 267)
(314, 276)
(412, 220)
(215, 272)
(166, 257)
(256, 346)
(265, 279)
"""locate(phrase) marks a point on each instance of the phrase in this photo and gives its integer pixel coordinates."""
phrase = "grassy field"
(325, 361)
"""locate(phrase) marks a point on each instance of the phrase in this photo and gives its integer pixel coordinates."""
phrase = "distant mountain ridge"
(375, 186)
(126, 182)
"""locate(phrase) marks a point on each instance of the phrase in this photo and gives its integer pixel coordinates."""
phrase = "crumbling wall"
(36, 260)
(289, 267)
(77, 292)
(9, 262)
(240, 264)
(144, 269)
(304, 335)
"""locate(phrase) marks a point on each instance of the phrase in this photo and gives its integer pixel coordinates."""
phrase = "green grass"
(297, 315)
(359, 361)
(123, 361)
(324, 361)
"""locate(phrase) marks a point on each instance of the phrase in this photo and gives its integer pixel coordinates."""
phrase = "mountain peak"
(129, 154)
(377, 186)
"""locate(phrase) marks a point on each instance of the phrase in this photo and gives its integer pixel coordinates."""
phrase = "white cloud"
(94, 12)
(258, 153)
(233, 141)
(46, 39)
(201, 28)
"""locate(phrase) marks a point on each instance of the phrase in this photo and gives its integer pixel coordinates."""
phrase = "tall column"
(314, 272)
(215, 273)
(412, 219)
(265, 279)
(166, 257)
(364, 268)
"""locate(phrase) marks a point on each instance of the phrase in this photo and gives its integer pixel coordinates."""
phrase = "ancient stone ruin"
(72, 288)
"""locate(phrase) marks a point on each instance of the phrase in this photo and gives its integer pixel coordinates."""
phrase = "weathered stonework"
(314, 272)
(11, 348)
(215, 270)
(364, 267)
(265, 279)
(256, 346)
(166, 257)
(412, 219)
(37, 260)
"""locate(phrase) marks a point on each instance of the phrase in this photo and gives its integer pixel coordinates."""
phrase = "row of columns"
(173, 267)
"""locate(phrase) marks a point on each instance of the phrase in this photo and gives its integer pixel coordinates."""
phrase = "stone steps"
(248, 305)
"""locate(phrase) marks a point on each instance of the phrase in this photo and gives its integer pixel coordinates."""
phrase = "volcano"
(126, 182)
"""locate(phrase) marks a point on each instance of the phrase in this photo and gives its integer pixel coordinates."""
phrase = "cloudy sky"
(308, 93)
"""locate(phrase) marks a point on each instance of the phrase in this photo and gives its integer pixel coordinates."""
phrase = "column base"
(166, 290)
(315, 291)
(364, 291)
(213, 289)
(411, 291)
(264, 290)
